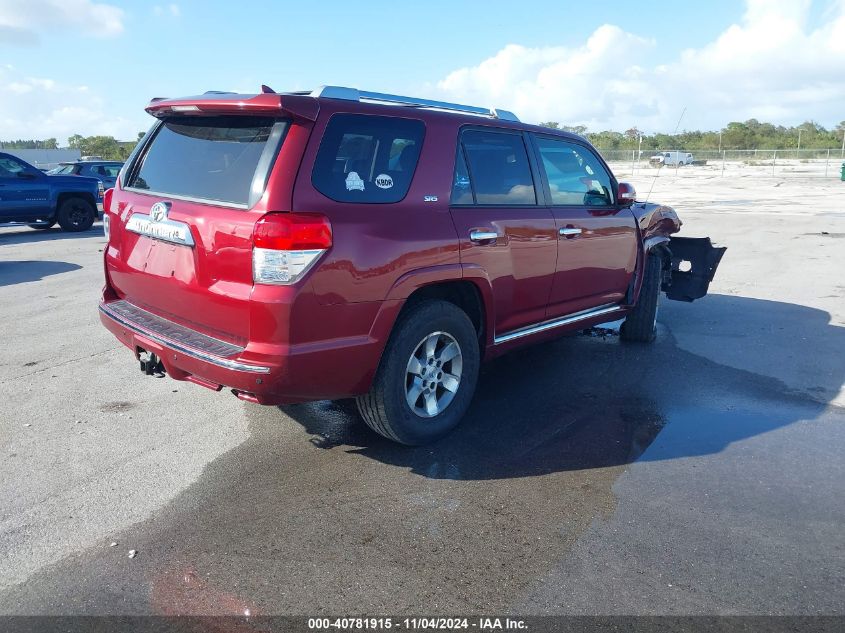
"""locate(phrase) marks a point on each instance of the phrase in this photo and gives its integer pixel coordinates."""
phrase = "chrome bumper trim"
(548, 325)
(121, 312)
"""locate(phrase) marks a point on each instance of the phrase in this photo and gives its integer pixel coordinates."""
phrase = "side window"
(575, 175)
(368, 159)
(499, 171)
(10, 167)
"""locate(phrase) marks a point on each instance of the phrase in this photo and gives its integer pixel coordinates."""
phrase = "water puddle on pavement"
(314, 512)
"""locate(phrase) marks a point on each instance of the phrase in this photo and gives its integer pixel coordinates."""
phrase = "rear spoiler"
(301, 106)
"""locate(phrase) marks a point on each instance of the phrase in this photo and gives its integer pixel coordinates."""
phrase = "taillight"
(100, 189)
(286, 245)
(107, 196)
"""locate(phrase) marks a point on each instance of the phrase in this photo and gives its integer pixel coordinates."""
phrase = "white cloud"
(171, 9)
(45, 108)
(21, 22)
(16, 36)
(771, 66)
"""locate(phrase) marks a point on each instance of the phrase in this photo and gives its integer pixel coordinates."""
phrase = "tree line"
(749, 134)
(107, 147)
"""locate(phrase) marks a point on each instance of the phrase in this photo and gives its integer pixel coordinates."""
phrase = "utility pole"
(799, 140)
(640, 149)
(720, 141)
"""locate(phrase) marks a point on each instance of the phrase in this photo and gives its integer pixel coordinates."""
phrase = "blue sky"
(90, 67)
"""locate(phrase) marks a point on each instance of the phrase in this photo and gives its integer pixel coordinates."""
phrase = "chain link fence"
(814, 163)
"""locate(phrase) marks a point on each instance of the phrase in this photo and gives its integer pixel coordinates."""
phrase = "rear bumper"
(176, 338)
(261, 373)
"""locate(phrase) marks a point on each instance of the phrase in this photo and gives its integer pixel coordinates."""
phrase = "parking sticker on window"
(383, 181)
(353, 181)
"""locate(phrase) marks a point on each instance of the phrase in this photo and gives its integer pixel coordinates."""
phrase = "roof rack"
(353, 94)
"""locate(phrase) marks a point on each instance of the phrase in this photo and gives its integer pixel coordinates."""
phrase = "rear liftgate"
(694, 263)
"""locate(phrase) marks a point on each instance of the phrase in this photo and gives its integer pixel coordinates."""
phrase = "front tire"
(427, 375)
(641, 323)
(76, 214)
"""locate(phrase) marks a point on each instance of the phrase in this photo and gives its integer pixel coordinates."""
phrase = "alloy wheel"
(433, 374)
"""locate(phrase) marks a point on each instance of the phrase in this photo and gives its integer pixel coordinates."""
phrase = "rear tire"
(76, 214)
(641, 324)
(42, 226)
(431, 360)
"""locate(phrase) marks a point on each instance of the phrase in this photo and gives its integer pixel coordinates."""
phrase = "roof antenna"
(267, 90)
(660, 166)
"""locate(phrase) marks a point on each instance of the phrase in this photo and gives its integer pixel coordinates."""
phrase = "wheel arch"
(462, 293)
(655, 246)
(466, 286)
(67, 195)
(469, 294)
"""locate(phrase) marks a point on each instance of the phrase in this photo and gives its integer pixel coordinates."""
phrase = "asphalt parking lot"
(700, 475)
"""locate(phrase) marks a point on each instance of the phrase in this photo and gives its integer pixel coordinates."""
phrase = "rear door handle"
(482, 236)
(569, 231)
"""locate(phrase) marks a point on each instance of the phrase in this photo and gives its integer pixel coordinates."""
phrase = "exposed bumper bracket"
(694, 263)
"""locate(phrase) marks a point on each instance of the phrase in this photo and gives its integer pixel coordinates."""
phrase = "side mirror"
(626, 195)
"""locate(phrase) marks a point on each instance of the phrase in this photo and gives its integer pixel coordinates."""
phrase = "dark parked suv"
(104, 170)
(332, 244)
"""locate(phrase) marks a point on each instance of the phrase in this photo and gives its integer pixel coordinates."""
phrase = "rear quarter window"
(367, 159)
(109, 171)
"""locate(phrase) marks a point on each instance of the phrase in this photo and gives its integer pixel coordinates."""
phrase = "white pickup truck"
(670, 158)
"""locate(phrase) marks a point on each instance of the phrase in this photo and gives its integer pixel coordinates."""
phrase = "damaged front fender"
(693, 264)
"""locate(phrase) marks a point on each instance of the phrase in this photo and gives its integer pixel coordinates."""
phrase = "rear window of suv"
(369, 159)
(220, 159)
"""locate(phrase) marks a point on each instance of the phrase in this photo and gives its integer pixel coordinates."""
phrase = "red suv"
(339, 243)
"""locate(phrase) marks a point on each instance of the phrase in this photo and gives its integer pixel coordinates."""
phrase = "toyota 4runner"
(339, 243)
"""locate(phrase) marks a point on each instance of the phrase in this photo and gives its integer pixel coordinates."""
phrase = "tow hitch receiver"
(694, 263)
(151, 364)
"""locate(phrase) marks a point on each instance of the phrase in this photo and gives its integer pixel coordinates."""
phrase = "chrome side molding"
(550, 325)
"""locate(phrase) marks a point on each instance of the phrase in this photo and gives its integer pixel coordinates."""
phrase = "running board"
(550, 325)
